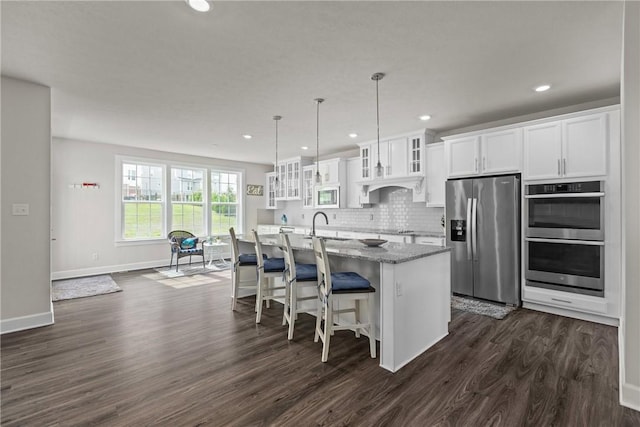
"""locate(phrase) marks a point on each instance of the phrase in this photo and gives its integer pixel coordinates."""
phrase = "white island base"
(413, 292)
(415, 308)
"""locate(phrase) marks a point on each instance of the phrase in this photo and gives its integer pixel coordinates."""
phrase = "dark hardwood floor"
(159, 355)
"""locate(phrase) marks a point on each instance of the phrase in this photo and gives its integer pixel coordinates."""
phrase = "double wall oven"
(564, 236)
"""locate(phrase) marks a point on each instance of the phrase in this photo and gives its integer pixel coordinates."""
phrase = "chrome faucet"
(313, 230)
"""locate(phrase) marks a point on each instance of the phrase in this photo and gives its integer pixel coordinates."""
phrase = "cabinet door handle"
(475, 168)
(484, 163)
(561, 300)
(564, 166)
(559, 168)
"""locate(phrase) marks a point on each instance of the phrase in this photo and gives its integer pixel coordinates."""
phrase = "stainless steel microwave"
(328, 197)
(571, 210)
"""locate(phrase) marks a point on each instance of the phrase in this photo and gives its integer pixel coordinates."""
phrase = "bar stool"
(269, 269)
(243, 265)
(339, 287)
(298, 277)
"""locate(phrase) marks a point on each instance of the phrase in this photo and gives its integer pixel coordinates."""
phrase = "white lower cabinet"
(268, 229)
(427, 240)
(397, 238)
(584, 303)
(326, 233)
(356, 235)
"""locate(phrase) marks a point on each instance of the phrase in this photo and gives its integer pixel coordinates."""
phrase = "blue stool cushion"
(249, 259)
(306, 272)
(348, 280)
(272, 265)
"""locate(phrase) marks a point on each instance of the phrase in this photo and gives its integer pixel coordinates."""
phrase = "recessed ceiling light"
(199, 5)
(305, 148)
(353, 135)
(425, 117)
(247, 136)
(542, 88)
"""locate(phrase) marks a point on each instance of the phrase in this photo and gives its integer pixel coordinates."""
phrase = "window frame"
(240, 199)
(167, 165)
(120, 202)
(205, 189)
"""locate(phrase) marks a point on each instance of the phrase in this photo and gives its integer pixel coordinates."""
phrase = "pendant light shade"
(275, 166)
(379, 169)
(318, 176)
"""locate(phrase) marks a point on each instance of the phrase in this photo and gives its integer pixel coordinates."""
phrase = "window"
(156, 197)
(142, 201)
(225, 207)
(187, 202)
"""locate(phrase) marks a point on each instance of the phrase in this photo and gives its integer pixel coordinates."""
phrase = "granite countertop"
(390, 253)
(372, 230)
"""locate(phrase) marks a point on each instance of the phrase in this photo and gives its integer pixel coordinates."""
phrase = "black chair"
(185, 244)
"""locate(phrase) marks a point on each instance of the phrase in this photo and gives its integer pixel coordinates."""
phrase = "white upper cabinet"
(400, 157)
(543, 151)
(353, 176)
(585, 146)
(435, 174)
(293, 180)
(416, 155)
(462, 156)
(484, 154)
(308, 177)
(330, 171)
(270, 191)
(397, 158)
(365, 162)
(501, 152)
(571, 148)
(289, 172)
(281, 183)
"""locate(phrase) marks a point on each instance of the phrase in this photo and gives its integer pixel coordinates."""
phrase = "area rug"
(83, 287)
(497, 311)
(188, 277)
(190, 270)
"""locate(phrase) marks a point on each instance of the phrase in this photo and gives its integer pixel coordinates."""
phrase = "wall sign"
(255, 190)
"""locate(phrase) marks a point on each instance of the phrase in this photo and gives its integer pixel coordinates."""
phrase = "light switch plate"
(20, 209)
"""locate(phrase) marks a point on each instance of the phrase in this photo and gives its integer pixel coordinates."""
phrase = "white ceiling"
(159, 75)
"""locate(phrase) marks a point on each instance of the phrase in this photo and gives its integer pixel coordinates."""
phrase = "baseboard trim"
(92, 271)
(31, 321)
(630, 396)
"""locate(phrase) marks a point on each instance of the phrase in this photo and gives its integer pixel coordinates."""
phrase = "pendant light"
(275, 167)
(379, 169)
(318, 176)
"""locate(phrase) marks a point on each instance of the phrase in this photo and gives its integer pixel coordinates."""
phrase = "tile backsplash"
(395, 211)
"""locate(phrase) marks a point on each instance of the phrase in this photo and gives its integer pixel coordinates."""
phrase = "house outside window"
(142, 213)
(187, 200)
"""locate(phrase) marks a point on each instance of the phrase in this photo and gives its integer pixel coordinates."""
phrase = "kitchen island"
(413, 289)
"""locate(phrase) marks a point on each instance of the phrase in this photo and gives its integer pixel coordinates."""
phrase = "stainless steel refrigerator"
(483, 232)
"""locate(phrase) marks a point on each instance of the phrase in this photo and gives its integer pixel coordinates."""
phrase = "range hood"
(413, 183)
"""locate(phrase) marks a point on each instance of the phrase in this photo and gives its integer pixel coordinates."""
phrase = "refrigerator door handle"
(474, 217)
(468, 228)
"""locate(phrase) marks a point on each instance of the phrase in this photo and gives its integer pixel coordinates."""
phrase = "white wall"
(25, 284)
(630, 325)
(83, 220)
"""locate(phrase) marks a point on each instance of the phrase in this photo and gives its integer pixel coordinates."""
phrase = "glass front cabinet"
(308, 179)
(270, 191)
